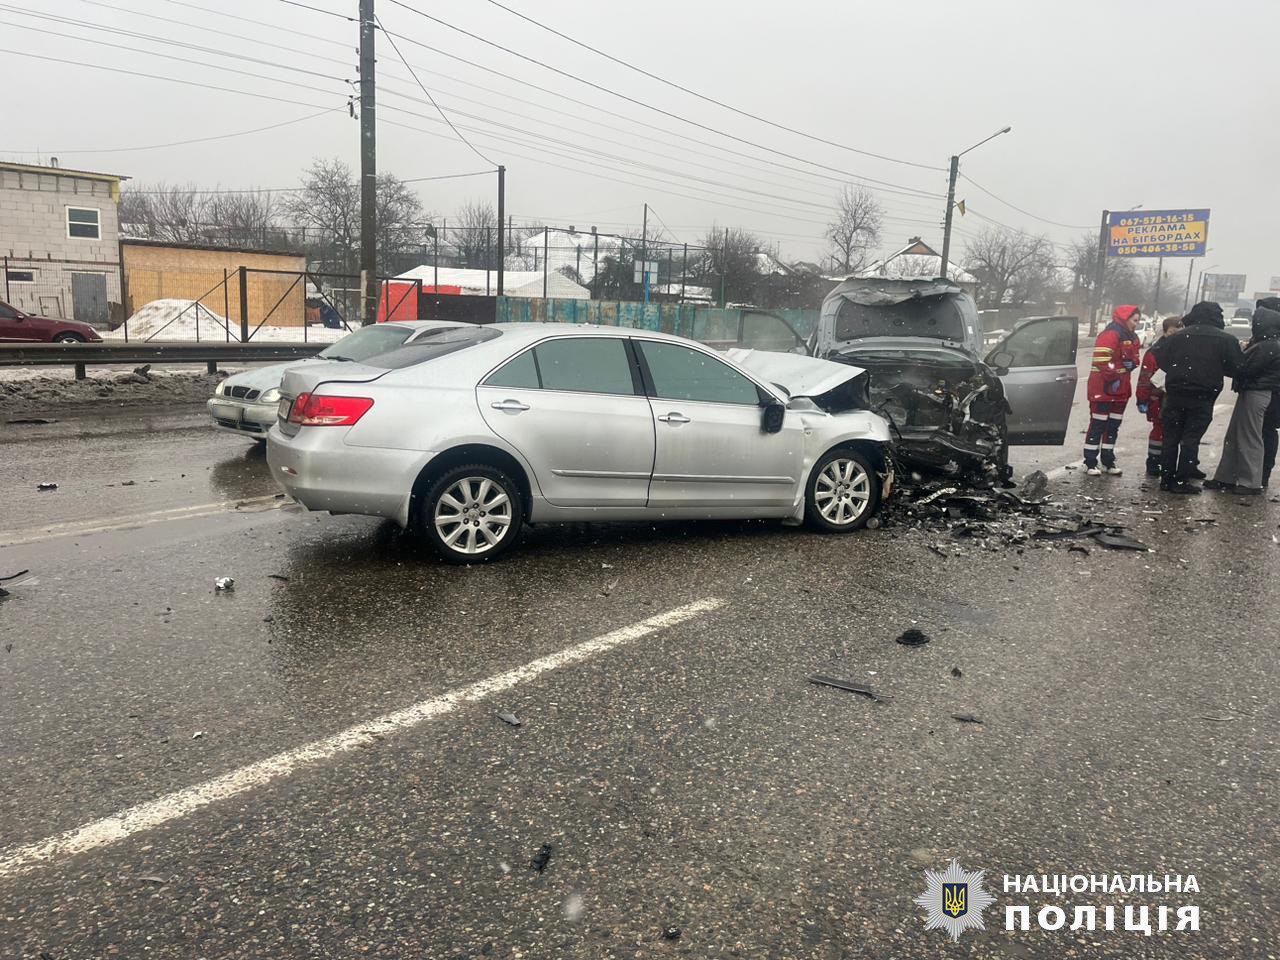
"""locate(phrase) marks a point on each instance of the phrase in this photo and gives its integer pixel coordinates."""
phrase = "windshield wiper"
(334, 356)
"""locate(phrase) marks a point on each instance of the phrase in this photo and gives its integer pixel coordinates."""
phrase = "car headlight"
(221, 388)
(270, 396)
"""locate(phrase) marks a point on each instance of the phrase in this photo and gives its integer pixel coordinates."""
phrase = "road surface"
(312, 765)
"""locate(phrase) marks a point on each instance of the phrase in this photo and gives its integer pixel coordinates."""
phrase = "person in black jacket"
(1194, 362)
(1240, 467)
(1270, 422)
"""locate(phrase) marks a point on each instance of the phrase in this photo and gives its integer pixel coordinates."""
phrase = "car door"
(1036, 361)
(711, 451)
(574, 407)
(12, 326)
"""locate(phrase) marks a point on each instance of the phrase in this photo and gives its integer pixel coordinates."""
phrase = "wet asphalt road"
(690, 778)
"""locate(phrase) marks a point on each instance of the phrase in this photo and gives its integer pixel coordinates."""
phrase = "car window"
(368, 342)
(1046, 343)
(937, 316)
(7, 312)
(521, 371)
(429, 346)
(760, 331)
(682, 374)
(585, 365)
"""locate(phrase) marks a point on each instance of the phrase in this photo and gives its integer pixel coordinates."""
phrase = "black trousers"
(1270, 437)
(1185, 419)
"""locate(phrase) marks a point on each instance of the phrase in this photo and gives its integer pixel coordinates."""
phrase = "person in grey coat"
(1240, 468)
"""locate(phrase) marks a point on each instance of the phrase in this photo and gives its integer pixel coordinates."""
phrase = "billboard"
(1275, 284)
(1157, 233)
(1223, 287)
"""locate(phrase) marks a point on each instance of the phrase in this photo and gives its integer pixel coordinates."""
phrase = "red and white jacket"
(1147, 391)
(1115, 357)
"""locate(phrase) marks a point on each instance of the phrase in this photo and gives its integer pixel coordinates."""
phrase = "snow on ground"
(172, 320)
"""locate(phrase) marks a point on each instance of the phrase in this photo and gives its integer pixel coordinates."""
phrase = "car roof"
(527, 333)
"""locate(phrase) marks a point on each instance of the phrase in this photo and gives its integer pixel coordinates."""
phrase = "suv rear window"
(921, 317)
(429, 346)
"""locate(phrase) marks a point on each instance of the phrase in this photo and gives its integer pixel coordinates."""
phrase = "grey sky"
(1113, 102)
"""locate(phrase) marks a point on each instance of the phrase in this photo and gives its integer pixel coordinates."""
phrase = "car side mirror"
(1001, 360)
(771, 419)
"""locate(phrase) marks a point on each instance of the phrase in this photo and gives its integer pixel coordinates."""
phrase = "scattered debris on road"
(278, 576)
(965, 718)
(671, 933)
(955, 672)
(224, 584)
(1118, 541)
(198, 735)
(509, 718)
(912, 637)
(46, 485)
(1035, 485)
(849, 686)
(31, 421)
(140, 374)
(156, 881)
(541, 858)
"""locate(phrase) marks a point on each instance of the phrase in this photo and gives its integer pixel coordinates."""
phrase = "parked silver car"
(466, 434)
(245, 403)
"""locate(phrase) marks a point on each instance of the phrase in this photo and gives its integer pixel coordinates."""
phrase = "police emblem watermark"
(954, 899)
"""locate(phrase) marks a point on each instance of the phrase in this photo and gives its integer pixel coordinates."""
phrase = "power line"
(257, 190)
(443, 115)
(648, 106)
(183, 143)
(694, 93)
(231, 16)
(1026, 213)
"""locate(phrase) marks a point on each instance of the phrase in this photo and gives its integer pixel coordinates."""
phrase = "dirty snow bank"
(36, 395)
(181, 320)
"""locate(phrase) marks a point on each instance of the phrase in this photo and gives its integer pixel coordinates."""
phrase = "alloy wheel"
(473, 516)
(842, 492)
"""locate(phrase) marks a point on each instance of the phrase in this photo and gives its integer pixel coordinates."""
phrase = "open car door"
(1036, 362)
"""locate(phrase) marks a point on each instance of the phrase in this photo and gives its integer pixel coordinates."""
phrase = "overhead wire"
(1025, 213)
(648, 106)
(693, 93)
(256, 190)
(474, 149)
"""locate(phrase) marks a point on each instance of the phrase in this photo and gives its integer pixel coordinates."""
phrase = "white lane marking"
(72, 528)
(173, 806)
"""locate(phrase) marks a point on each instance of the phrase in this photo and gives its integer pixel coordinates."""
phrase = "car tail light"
(313, 410)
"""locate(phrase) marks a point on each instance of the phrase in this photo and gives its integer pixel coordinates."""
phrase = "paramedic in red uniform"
(1115, 356)
(1149, 396)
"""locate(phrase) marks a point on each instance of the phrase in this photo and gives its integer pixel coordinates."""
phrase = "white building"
(917, 260)
(515, 283)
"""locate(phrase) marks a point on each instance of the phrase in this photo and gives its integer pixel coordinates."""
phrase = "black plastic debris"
(14, 576)
(955, 672)
(46, 485)
(128, 483)
(671, 933)
(1035, 485)
(965, 718)
(1078, 548)
(278, 576)
(541, 858)
(31, 421)
(1083, 531)
(509, 718)
(912, 637)
(849, 686)
(1118, 541)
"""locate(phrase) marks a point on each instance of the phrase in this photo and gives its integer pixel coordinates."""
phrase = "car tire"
(454, 519)
(68, 338)
(843, 491)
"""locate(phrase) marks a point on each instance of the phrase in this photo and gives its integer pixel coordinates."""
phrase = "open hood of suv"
(880, 310)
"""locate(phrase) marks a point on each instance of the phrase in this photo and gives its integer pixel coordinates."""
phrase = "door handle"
(511, 406)
(674, 418)
(1064, 377)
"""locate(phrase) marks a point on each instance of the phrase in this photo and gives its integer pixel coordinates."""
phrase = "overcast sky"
(1112, 103)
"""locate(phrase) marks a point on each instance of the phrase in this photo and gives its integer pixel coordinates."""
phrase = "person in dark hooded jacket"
(1271, 422)
(1240, 467)
(1195, 360)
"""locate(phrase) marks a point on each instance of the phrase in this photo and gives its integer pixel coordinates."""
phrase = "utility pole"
(595, 259)
(644, 252)
(1186, 297)
(502, 209)
(724, 267)
(1155, 307)
(368, 170)
(946, 230)
(1099, 275)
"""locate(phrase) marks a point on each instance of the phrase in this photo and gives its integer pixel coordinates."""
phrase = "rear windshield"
(921, 317)
(436, 343)
(367, 342)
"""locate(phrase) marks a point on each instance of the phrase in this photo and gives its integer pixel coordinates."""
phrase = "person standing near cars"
(1271, 421)
(1194, 361)
(1240, 468)
(1115, 355)
(1149, 397)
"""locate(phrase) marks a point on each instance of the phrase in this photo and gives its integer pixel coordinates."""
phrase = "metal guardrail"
(80, 355)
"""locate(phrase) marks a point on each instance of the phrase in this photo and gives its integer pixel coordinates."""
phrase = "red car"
(19, 327)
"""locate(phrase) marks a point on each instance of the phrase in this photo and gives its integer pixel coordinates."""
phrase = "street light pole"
(368, 170)
(951, 199)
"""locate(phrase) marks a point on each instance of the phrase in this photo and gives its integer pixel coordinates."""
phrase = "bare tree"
(1121, 282)
(1010, 264)
(729, 262)
(855, 229)
(476, 238)
(327, 208)
(164, 211)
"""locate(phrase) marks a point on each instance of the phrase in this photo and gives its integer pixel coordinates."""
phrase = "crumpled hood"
(883, 292)
(801, 376)
(265, 378)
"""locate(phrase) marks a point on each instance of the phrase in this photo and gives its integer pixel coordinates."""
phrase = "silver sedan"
(464, 435)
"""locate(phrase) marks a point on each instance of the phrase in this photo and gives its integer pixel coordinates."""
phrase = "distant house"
(515, 283)
(918, 260)
(60, 241)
